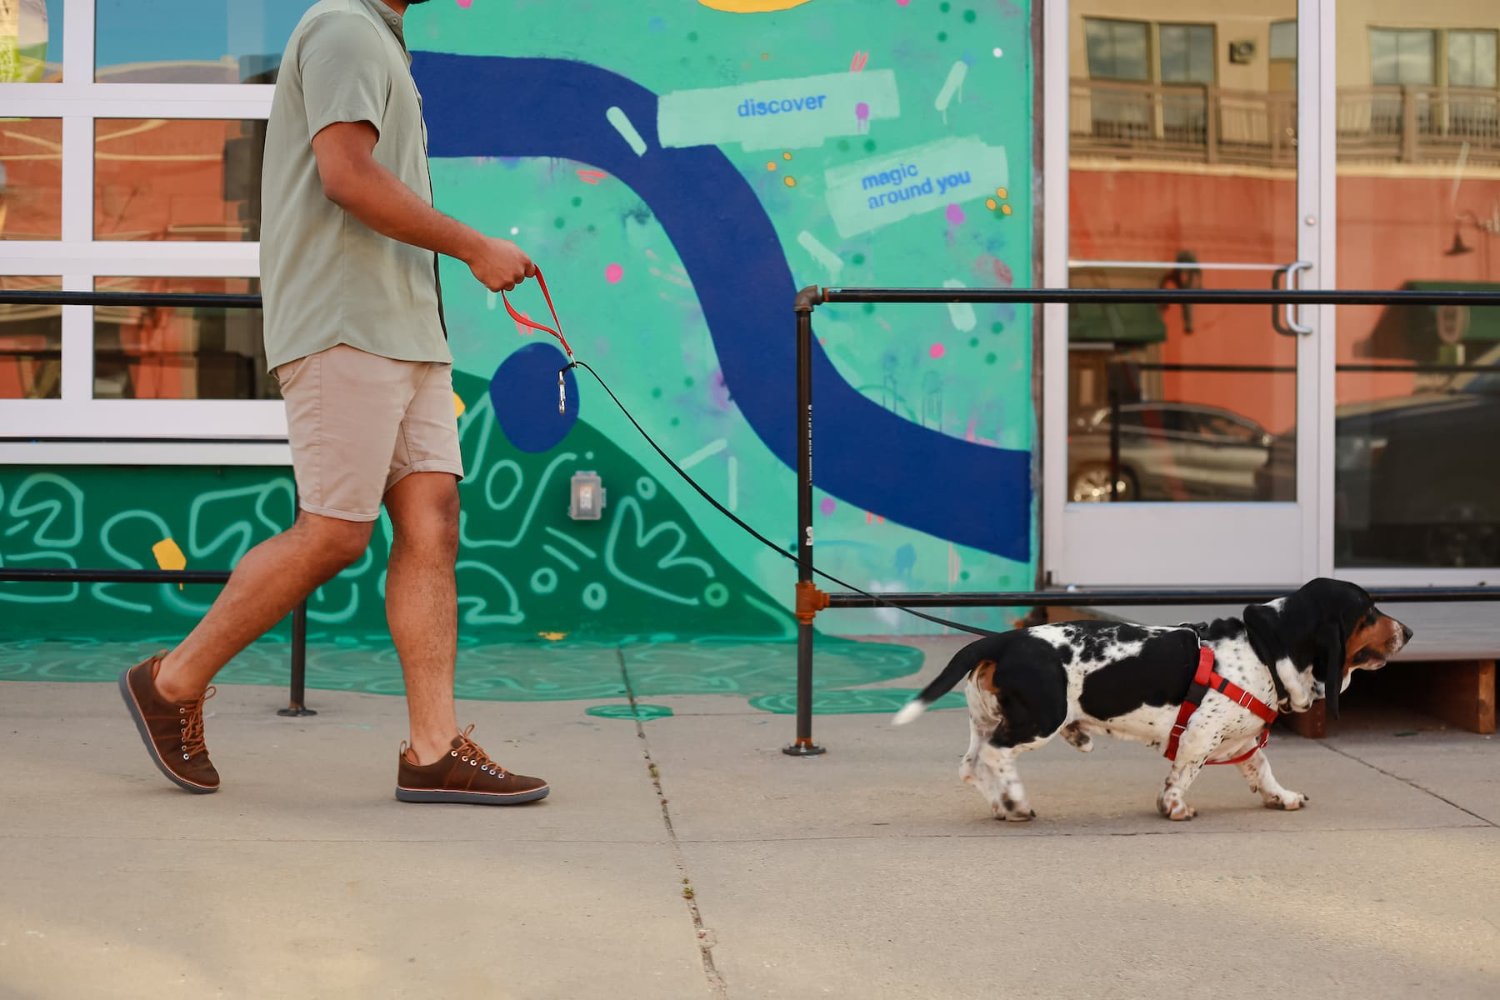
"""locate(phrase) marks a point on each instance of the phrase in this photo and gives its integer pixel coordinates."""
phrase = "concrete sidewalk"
(870, 872)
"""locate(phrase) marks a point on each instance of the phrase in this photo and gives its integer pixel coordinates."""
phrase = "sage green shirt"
(327, 278)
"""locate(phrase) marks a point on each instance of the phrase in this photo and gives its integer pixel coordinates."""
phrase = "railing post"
(1211, 122)
(1112, 381)
(297, 686)
(1280, 118)
(804, 746)
(1408, 124)
(297, 690)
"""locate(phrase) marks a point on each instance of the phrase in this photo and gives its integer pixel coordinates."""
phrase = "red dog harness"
(1208, 679)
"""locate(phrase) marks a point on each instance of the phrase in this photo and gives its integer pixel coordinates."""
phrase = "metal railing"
(297, 685)
(1203, 123)
(809, 600)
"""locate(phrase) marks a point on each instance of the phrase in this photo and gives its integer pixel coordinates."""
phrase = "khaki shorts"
(360, 423)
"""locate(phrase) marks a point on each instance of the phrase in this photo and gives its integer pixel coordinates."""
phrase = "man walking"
(355, 335)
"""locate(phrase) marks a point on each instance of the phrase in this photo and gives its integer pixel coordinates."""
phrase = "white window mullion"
(77, 347)
(152, 100)
(77, 201)
(78, 47)
(188, 258)
(77, 181)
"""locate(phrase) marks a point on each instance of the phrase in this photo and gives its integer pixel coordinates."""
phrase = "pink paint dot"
(465, 4)
(613, 273)
(955, 214)
(828, 506)
(902, 3)
(937, 350)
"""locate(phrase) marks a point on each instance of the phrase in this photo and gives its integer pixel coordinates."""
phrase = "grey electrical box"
(587, 497)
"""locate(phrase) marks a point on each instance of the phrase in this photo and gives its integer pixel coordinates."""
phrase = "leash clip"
(562, 386)
(555, 331)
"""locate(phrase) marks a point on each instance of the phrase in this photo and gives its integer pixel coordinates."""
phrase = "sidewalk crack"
(1407, 781)
(703, 936)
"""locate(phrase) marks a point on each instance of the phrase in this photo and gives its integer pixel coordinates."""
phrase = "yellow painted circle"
(751, 6)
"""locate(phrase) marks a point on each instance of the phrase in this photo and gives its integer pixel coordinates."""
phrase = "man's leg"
(421, 604)
(165, 694)
(266, 585)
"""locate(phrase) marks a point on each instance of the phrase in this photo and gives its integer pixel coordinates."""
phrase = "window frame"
(1438, 52)
(1147, 28)
(1188, 27)
(79, 258)
(1447, 56)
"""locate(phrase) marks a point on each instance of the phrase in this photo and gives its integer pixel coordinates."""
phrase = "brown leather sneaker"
(173, 733)
(466, 775)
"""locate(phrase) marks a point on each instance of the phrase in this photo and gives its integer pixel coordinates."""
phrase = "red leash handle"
(555, 330)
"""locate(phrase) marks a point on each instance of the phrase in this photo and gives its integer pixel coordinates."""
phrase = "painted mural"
(678, 170)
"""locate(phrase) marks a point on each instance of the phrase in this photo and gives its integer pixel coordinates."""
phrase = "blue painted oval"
(523, 392)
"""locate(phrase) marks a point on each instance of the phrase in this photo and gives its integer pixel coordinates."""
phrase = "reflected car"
(1168, 451)
(1415, 481)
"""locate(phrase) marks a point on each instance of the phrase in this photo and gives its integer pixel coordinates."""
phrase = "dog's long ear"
(1330, 664)
(1263, 627)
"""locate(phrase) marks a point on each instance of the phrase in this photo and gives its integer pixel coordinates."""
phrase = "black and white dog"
(1091, 677)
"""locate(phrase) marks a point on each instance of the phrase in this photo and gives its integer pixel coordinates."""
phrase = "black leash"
(562, 400)
(575, 363)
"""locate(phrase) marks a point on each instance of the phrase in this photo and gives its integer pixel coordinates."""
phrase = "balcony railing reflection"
(1199, 123)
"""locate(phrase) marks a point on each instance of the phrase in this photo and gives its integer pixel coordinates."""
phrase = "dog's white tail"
(946, 681)
(909, 711)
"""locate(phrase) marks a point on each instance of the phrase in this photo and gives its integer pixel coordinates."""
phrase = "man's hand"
(499, 265)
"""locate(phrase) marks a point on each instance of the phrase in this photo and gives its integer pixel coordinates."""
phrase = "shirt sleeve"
(345, 77)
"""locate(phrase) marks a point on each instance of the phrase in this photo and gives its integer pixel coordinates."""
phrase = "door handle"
(1293, 324)
(1276, 324)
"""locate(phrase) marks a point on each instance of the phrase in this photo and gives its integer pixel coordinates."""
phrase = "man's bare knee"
(335, 540)
(425, 513)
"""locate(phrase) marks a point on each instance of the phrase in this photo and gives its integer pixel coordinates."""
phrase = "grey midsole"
(472, 798)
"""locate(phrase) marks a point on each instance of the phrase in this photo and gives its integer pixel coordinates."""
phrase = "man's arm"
(355, 181)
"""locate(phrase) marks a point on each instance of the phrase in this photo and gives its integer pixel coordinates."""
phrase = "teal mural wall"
(678, 169)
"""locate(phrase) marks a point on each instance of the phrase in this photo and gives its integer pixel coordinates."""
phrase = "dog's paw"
(1290, 801)
(1080, 740)
(1016, 816)
(1172, 805)
(1011, 811)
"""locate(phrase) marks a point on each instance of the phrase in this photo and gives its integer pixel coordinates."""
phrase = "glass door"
(1415, 491)
(1180, 443)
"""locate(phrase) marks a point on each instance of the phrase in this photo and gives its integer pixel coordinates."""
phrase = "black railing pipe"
(298, 681)
(1140, 597)
(804, 746)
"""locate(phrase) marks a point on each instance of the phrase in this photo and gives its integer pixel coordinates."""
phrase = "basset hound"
(1207, 692)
